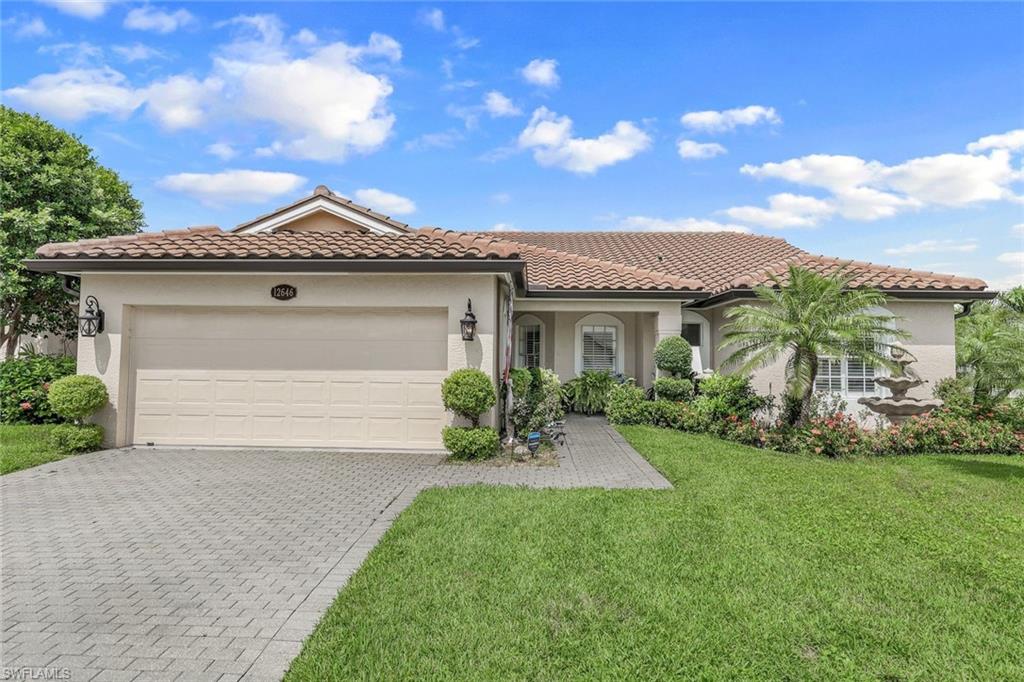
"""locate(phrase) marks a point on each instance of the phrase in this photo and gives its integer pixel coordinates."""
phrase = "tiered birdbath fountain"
(899, 407)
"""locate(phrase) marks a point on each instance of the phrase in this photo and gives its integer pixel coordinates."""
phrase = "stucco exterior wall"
(932, 342)
(107, 355)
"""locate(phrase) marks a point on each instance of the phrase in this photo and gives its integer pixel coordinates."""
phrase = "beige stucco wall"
(107, 355)
(932, 342)
(641, 330)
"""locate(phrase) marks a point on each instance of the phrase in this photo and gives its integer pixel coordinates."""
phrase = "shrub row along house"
(325, 323)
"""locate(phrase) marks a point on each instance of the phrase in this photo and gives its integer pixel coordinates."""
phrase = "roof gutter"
(673, 294)
(952, 295)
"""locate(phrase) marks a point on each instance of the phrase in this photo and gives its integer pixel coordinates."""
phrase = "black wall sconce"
(468, 323)
(91, 321)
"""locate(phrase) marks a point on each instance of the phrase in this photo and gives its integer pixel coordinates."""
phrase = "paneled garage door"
(296, 378)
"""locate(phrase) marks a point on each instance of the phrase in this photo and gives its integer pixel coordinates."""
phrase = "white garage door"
(296, 378)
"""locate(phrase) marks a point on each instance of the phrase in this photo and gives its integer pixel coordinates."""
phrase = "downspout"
(965, 311)
(505, 374)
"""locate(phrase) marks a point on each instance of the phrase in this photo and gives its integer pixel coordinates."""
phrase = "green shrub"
(671, 415)
(541, 403)
(670, 388)
(520, 380)
(956, 394)
(834, 436)
(948, 433)
(724, 395)
(588, 392)
(627, 404)
(77, 397)
(478, 442)
(468, 393)
(24, 387)
(674, 355)
(69, 439)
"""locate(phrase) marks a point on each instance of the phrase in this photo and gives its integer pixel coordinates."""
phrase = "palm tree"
(989, 348)
(808, 316)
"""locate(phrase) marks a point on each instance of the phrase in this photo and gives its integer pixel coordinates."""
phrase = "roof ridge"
(846, 262)
(324, 191)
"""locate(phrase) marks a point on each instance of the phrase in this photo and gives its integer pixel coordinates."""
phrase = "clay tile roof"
(212, 243)
(730, 260)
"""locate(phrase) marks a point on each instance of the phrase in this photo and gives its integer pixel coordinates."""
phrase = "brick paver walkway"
(186, 564)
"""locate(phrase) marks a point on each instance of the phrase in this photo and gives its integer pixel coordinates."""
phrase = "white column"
(668, 322)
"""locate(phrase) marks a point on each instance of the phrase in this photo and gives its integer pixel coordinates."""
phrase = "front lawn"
(25, 445)
(756, 566)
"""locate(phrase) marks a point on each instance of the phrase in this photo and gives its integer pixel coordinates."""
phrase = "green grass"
(25, 445)
(757, 566)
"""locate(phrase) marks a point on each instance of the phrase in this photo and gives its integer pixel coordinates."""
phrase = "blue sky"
(890, 133)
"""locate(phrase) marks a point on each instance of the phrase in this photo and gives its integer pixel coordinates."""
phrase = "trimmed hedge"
(77, 397)
(24, 387)
(674, 355)
(468, 393)
(70, 439)
(670, 388)
(463, 442)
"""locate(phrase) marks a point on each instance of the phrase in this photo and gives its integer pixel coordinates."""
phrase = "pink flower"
(26, 406)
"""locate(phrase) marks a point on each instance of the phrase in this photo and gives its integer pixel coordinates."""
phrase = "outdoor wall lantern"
(468, 323)
(91, 321)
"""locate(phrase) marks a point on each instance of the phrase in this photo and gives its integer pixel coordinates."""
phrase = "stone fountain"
(899, 407)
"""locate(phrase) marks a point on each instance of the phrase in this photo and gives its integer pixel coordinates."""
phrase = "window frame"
(704, 350)
(522, 322)
(601, 320)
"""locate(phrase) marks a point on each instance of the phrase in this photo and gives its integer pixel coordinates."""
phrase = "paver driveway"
(203, 564)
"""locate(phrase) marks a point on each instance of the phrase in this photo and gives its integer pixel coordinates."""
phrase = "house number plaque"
(283, 292)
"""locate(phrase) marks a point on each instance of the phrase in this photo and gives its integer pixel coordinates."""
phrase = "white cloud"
(1006, 283)
(550, 137)
(82, 54)
(647, 224)
(222, 150)
(541, 72)
(504, 227)
(85, 9)
(233, 186)
(385, 202)
(305, 37)
(442, 140)
(499, 105)
(1012, 140)
(688, 149)
(327, 104)
(181, 101)
(434, 18)
(729, 119)
(27, 27)
(463, 41)
(136, 52)
(74, 94)
(1018, 228)
(869, 190)
(934, 246)
(149, 18)
(1014, 258)
(784, 210)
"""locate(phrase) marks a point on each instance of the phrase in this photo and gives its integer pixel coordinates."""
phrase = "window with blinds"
(529, 345)
(846, 375)
(599, 348)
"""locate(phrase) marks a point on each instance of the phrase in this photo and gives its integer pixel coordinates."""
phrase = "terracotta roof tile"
(325, 191)
(210, 242)
(730, 260)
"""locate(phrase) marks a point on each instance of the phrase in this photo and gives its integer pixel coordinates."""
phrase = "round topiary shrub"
(77, 397)
(468, 393)
(70, 439)
(470, 443)
(674, 355)
(676, 390)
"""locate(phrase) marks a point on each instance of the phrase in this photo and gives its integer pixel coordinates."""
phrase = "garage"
(301, 377)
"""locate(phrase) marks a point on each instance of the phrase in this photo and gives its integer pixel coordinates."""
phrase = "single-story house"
(325, 323)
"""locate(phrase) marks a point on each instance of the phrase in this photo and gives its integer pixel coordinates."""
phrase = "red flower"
(26, 406)
(815, 432)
